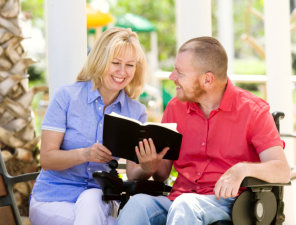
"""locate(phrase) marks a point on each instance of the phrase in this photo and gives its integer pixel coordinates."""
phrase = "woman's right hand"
(97, 153)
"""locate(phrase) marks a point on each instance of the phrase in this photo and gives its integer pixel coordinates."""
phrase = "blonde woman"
(65, 192)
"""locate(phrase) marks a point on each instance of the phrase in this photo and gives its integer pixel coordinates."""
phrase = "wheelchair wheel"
(254, 208)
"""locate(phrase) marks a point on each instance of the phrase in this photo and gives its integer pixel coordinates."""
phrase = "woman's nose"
(122, 69)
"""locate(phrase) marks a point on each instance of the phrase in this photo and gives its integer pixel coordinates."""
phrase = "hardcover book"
(121, 134)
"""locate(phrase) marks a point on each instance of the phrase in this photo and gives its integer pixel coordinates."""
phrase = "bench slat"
(6, 216)
(3, 191)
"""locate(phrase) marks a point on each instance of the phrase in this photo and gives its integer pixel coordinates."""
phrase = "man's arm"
(273, 168)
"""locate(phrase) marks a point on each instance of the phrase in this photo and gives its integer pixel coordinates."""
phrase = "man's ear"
(209, 78)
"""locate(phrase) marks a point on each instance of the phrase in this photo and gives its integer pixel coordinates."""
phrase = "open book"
(121, 134)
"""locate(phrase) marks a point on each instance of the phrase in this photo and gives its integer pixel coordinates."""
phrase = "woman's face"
(121, 71)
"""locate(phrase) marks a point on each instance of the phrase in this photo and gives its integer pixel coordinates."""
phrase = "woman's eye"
(130, 65)
(115, 63)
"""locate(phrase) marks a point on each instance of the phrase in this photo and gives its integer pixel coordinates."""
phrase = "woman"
(71, 141)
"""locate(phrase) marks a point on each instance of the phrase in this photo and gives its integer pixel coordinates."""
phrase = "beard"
(192, 96)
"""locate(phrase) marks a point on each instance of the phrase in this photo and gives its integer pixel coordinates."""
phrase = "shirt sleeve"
(143, 114)
(55, 118)
(264, 134)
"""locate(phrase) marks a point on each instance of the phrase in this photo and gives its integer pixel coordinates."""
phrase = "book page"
(171, 126)
(124, 117)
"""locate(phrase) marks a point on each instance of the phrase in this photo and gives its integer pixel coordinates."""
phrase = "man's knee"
(138, 203)
(144, 209)
(186, 199)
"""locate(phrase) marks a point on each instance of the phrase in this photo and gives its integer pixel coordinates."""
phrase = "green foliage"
(173, 176)
(36, 73)
(159, 13)
(168, 91)
(249, 66)
(36, 9)
(240, 14)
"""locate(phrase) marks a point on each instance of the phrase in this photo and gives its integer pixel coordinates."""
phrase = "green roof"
(135, 22)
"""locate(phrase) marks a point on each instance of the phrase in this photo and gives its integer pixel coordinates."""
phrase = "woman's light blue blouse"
(78, 111)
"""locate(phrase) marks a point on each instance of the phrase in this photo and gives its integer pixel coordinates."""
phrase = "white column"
(66, 41)
(225, 29)
(279, 85)
(193, 19)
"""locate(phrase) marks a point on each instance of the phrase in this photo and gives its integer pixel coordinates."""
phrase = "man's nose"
(172, 75)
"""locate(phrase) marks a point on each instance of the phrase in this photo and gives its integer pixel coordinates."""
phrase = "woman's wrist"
(82, 155)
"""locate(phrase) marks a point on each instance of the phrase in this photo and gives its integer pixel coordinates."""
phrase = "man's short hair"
(209, 54)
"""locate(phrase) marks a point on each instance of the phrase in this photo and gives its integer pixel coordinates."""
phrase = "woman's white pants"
(89, 209)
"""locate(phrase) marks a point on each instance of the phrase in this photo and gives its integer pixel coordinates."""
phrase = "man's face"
(187, 78)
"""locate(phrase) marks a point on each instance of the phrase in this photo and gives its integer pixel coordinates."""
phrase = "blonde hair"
(210, 56)
(112, 43)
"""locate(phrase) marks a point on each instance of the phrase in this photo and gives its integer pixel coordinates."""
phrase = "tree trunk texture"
(18, 140)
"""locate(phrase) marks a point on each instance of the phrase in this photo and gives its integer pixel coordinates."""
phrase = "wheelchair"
(261, 203)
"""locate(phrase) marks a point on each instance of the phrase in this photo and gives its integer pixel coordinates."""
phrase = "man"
(228, 134)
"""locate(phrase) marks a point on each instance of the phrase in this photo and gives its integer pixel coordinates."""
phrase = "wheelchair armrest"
(146, 186)
(251, 182)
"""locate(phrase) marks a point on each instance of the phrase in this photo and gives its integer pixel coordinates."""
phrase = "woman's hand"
(97, 153)
(148, 158)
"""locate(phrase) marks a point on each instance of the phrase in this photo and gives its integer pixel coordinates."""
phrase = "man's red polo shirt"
(239, 130)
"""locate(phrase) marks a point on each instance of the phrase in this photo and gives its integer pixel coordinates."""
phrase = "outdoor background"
(162, 15)
(148, 17)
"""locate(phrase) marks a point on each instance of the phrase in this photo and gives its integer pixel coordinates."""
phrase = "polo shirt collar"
(228, 97)
(226, 101)
(94, 94)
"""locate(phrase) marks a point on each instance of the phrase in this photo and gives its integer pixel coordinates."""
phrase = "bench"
(9, 212)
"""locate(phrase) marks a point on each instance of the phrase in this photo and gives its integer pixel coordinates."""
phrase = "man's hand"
(229, 183)
(148, 158)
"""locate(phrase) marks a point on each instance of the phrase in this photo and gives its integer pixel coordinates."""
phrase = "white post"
(279, 85)
(193, 19)
(153, 87)
(225, 29)
(66, 41)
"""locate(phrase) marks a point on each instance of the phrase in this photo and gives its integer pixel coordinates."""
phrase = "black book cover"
(121, 135)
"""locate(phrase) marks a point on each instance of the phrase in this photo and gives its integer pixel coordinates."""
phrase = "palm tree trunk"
(18, 140)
